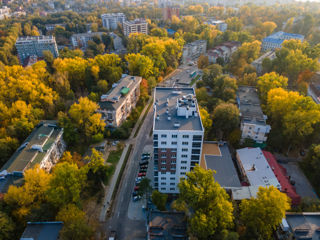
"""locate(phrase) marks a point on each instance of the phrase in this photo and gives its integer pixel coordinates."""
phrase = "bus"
(193, 74)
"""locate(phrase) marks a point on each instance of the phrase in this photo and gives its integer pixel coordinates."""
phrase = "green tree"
(311, 165)
(203, 61)
(7, 227)
(206, 119)
(226, 118)
(66, 184)
(159, 32)
(140, 65)
(159, 199)
(263, 214)
(210, 73)
(208, 203)
(75, 226)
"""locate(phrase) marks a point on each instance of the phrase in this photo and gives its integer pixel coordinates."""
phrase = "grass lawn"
(194, 80)
(114, 156)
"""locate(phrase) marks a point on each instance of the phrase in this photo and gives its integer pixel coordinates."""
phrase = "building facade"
(258, 62)
(135, 26)
(177, 136)
(274, 41)
(220, 25)
(224, 51)
(169, 12)
(193, 50)
(117, 104)
(252, 120)
(35, 45)
(314, 88)
(110, 20)
(80, 40)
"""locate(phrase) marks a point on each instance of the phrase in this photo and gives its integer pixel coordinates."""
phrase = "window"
(196, 144)
(163, 143)
(185, 136)
(184, 156)
(163, 156)
(163, 162)
(185, 143)
(163, 135)
(172, 184)
(195, 151)
(163, 168)
(155, 137)
(183, 162)
(173, 143)
(163, 183)
(163, 178)
(172, 178)
(173, 156)
(172, 189)
(195, 157)
(183, 167)
(163, 189)
(184, 149)
(155, 143)
(183, 173)
(173, 168)
(163, 149)
(173, 150)
(174, 136)
(197, 138)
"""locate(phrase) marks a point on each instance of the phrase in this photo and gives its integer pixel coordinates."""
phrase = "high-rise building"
(35, 45)
(177, 136)
(135, 26)
(110, 20)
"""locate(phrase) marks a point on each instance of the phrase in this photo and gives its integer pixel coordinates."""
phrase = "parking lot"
(136, 208)
(303, 187)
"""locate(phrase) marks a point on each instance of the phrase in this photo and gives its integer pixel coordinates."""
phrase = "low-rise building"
(34, 46)
(314, 88)
(303, 225)
(110, 21)
(44, 146)
(252, 120)
(177, 136)
(42, 231)
(216, 156)
(224, 51)
(80, 40)
(275, 40)
(220, 24)
(167, 225)
(138, 25)
(258, 62)
(4, 12)
(193, 50)
(117, 104)
(51, 27)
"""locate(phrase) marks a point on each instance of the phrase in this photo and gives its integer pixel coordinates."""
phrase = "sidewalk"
(114, 178)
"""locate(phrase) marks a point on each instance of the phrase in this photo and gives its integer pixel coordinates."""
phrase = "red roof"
(281, 175)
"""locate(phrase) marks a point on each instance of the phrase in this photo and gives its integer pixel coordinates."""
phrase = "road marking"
(118, 214)
(122, 199)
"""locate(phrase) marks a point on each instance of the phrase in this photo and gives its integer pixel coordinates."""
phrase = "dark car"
(143, 167)
(113, 235)
(145, 157)
(134, 194)
(143, 170)
(143, 163)
(145, 154)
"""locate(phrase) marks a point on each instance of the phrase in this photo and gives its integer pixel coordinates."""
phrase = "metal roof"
(42, 231)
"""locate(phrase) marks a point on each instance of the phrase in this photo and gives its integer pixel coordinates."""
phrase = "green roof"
(124, 90)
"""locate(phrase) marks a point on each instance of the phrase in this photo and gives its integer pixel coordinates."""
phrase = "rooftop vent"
(176, 124)
(158, 117)
(23, 146)
(37, 147)
(169, 117)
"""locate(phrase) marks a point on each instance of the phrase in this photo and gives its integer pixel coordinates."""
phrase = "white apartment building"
(253, 121)
(80, 40)
(117, 104)
(135, 26)
(110, 20)
(177, 136)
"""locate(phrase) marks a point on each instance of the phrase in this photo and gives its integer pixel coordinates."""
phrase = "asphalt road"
(119, 221)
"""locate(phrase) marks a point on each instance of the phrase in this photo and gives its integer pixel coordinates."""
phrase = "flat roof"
(26, 156)
(249, 105)
(42, 231)
(244, 192)
(257, 168)
(192, 123)
(167, 225)
(270, 54)
(217, 157)
(304, 225)
(35, 38)
(115, 97)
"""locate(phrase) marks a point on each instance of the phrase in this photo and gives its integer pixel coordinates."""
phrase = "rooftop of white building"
(257, 168)
(176, 109)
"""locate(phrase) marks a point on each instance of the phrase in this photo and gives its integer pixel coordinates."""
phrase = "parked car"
(146, 154)
(139, 179)
(134, 194)
(136, 188)
(145, 157)
(113, 235)
(143, 163)
(141, 174)
(144, 167)
(136, 198)
(143, 171)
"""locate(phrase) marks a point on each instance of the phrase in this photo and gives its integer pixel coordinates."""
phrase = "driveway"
(303, 187)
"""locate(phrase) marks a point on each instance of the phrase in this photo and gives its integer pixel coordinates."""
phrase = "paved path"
(114, 178)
